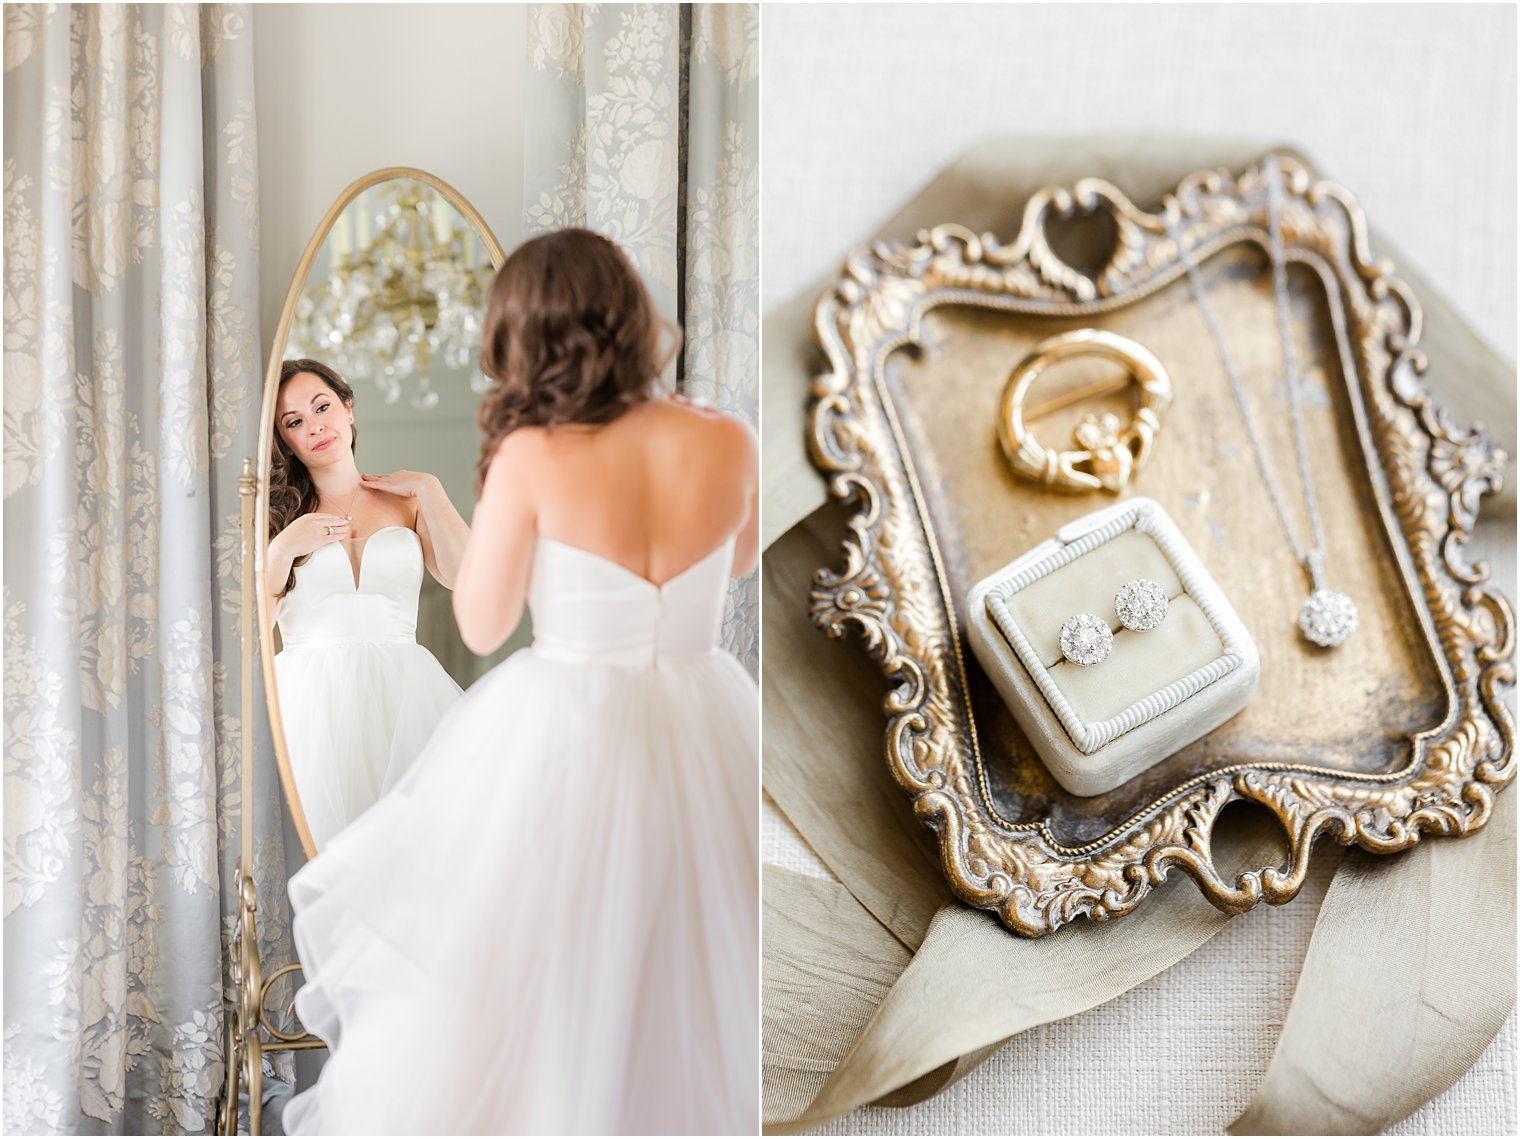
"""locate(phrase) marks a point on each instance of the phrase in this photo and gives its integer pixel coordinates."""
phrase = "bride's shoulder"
(518, 454)
(521, 443)
(724, 429)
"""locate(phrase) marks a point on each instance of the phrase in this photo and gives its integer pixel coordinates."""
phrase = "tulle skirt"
(550, 925)
(356, 716)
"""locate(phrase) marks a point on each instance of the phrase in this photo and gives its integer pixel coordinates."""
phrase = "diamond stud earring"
(1141, 605)
(1086, 639)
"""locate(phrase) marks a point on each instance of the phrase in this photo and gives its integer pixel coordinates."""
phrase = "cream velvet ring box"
(1096, 726)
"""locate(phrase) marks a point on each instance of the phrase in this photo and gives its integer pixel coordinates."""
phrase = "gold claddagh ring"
(1108, 454)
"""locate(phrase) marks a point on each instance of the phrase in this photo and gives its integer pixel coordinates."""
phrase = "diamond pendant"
(1327, 618)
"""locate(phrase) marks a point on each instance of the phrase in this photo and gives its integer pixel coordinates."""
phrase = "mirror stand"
(251, 1033)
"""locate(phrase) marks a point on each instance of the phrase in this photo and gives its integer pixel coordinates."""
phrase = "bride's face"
(313, 421)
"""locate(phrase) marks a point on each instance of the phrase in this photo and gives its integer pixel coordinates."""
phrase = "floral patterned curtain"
(645, 127)
(131, 365)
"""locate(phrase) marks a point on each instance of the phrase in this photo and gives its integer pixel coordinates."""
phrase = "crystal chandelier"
(404, 291)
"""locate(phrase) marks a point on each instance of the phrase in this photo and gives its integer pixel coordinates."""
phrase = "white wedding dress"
(551, 924)
(359, 697)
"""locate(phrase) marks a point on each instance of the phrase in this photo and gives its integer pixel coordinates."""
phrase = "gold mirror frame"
(1427, 475)
(251, 1031)
(266, 436)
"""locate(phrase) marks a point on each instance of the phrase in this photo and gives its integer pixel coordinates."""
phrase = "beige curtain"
(131, 365)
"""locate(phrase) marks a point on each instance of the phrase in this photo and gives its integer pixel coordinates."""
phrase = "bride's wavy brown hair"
(570, 336)
(291, 490)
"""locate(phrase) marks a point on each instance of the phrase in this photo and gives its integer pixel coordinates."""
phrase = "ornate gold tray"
(1398, 734)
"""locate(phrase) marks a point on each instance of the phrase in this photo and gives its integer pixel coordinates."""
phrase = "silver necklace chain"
(348, 515)
(1328, 617)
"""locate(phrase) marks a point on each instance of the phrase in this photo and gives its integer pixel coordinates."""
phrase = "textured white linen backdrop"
(131, 364)
(646, 129)
(1183, 1052)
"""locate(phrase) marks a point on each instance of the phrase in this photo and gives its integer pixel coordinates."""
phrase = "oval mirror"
(374, 372)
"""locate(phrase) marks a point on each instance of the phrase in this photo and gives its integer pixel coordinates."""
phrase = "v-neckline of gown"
(356, 568)
(659, 586)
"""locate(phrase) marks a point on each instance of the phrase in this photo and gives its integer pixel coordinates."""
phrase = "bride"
(551, 923)
(358, 696)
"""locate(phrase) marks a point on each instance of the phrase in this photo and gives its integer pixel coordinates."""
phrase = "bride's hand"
(311, 532)
(403, 484)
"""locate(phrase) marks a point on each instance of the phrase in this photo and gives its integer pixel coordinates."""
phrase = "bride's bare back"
(655, 491)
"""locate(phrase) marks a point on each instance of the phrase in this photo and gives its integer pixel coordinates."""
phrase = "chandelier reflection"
(405, 287)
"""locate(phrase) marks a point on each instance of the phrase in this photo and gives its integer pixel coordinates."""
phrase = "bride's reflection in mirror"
(359, 696)
(382, 330)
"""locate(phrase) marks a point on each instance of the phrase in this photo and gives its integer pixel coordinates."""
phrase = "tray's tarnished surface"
(1420, 741)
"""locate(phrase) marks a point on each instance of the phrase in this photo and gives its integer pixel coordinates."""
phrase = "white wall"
(1411, 107)
(343, 89)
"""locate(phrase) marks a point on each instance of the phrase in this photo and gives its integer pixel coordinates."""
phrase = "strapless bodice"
(586, 607)
(327, 608)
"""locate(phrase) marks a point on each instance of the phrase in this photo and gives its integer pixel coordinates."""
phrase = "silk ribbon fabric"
(1409, 976)
(882, 989)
